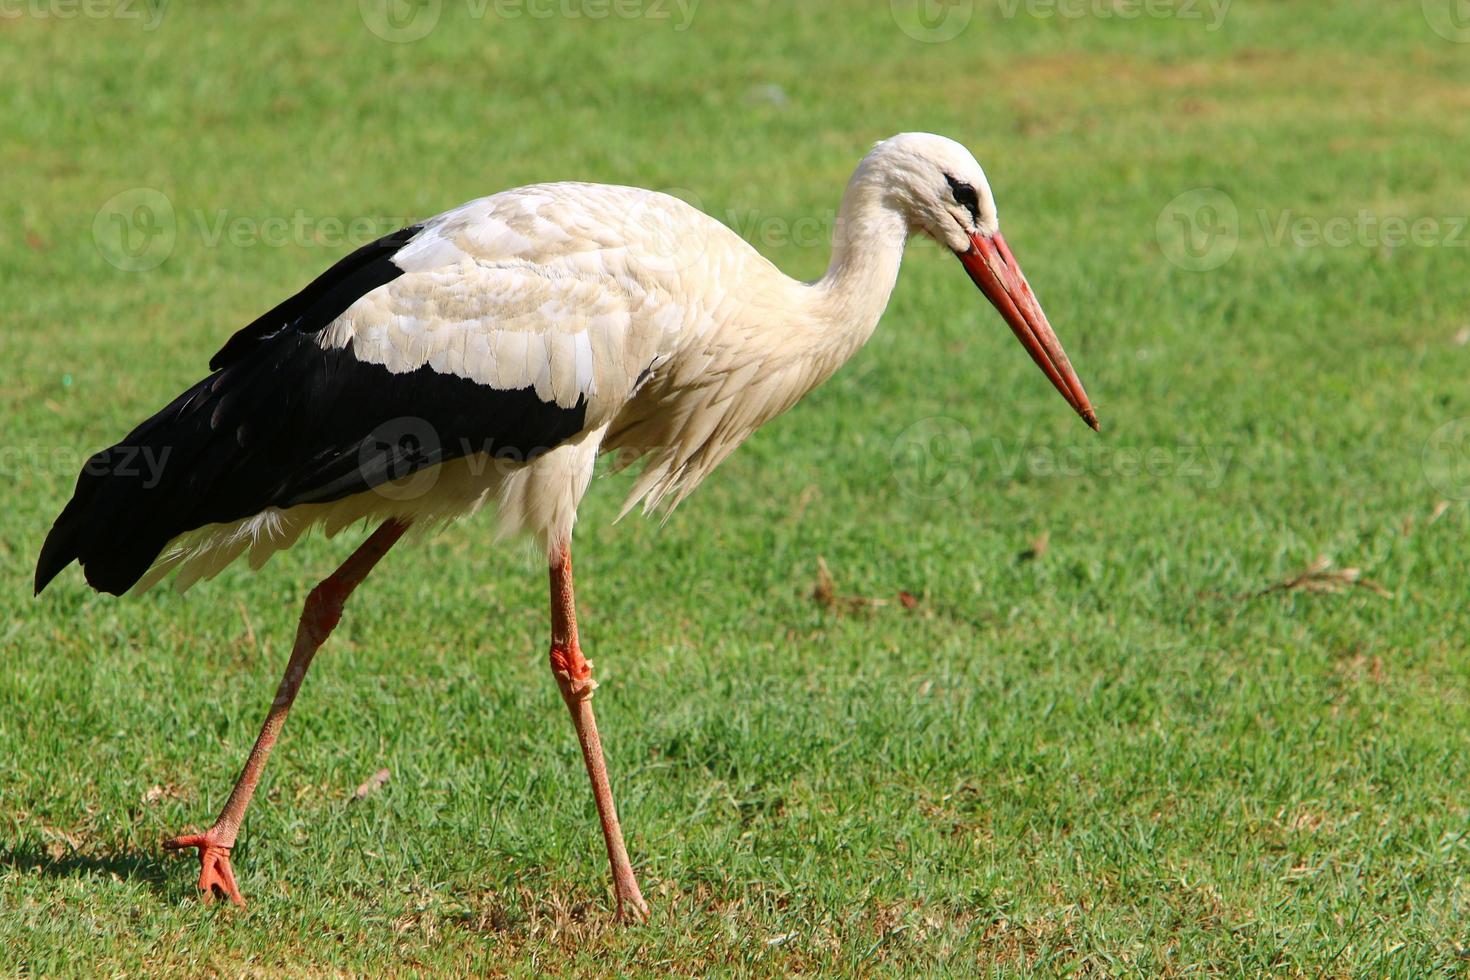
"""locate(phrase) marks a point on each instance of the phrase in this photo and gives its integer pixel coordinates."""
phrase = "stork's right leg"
(320, 616)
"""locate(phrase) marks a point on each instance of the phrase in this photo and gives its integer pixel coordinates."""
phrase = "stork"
(485, 358)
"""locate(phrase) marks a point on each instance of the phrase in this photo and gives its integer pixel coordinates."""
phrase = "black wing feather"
(325, 298)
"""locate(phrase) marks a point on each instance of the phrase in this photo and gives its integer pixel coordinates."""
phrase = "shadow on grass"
(147, 867)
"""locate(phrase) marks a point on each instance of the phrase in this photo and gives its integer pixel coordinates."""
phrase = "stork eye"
(965, 195)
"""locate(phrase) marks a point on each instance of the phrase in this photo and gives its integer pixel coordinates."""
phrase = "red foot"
(215, 874)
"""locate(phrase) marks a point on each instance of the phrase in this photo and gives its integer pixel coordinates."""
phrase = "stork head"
(941, 192)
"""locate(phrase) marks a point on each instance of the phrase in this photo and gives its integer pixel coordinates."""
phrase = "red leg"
(320, 616)
(574, 677)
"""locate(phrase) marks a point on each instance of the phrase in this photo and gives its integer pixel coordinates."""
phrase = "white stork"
(487, 356)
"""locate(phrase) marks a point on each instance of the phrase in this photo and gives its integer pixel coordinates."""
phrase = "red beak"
(994, 269)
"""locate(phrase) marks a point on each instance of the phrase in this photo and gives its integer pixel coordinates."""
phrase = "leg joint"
(568, 660)
(573, 671)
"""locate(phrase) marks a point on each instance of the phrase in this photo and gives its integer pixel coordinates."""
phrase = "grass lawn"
(1119, 731)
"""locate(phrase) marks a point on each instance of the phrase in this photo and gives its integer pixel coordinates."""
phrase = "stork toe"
(215, 874)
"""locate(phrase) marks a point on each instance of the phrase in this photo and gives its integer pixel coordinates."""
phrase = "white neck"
(867, 247)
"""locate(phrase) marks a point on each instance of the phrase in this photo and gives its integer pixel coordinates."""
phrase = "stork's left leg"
(574, 676)
(320, 616)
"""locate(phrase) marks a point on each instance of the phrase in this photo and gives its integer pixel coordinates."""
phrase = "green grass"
(1107, 759)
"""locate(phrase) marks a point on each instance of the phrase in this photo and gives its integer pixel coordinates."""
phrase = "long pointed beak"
(995, 270)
